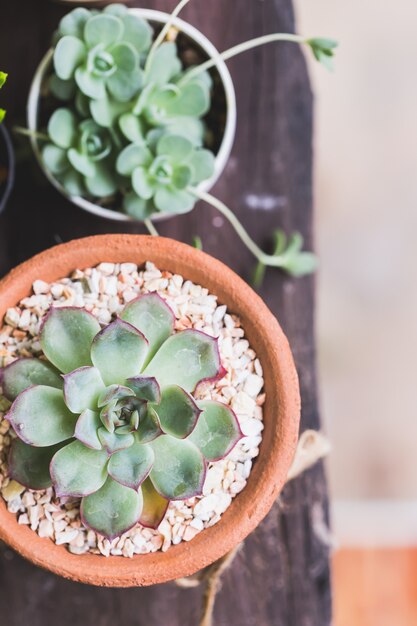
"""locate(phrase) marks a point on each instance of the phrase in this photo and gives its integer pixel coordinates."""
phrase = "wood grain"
(281, 577)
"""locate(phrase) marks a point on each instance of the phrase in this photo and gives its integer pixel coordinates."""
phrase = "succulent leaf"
(186, 359)
(153, 317)
(176, 147)
(179, 468)
(178, 413)
(55, 159)
(62, 127)
(66, 337)
(106, 111)
(82, 388)
(81, 163)
(165, 64)
(125, 56)
(138, 208)
(86, 429)
(69, 53)
(132, 157)
(73, 183)
(73, 23)
(202, 165)
(137, 32)
(112, 510)
(149, 426)
(145, 388)
(171, 200)
(40, 417)
(217, 430)
(119, 352)
(107, 415)
(103, 183)
(103, 30)
(77, 470)
(25, 373)
(142, 183)
(132, 128)
(114, 392)
(131, 466)
(91, 85)
(113, 442)
(124, 85)
(154, 506)
(29, 466)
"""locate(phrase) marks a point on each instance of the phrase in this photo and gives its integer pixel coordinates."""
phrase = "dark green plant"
(110, 417)
(3, 78)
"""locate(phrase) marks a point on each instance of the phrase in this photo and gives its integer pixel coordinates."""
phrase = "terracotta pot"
(281, 414)
(222, 156)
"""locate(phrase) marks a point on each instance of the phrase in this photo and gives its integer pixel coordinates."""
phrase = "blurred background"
(366, 222)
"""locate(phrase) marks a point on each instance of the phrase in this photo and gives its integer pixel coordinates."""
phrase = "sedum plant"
(128, 95)
(111, 418)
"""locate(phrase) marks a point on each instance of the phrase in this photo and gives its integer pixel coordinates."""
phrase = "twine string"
(312, 446)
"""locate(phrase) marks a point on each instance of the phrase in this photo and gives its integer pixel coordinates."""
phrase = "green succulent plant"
(109, 68)
(3, 78)
(110, 417)
(101, 52)
(79, 154)
(160, 177)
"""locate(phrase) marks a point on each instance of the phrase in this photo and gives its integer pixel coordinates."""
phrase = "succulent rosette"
(162, 173)
(101, 53)
(79, 154)
(110, 416)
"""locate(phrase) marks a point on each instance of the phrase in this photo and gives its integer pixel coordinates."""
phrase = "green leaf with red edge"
(130, 467)
(30, 466)
(66, 337)
(25, 373)
(177, 411)
(145, 388)
(114, 392)
(179, 469)
(186, 359)
(119, 352)
(82, 388)
(153, 317)
(154, 506)
(40, 416)
(77, 470)
(217, 430)
(112, 510)
(114, 442)
(86, 429)
(149, 426)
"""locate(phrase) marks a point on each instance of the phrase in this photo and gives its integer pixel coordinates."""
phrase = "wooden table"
(281, 577)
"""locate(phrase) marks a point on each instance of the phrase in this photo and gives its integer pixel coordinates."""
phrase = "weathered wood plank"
(281, 577)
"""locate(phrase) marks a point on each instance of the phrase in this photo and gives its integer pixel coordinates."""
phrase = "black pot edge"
(4, 135)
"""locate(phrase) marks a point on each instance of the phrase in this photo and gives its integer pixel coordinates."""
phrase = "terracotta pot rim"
(281, 411)
(221, 157)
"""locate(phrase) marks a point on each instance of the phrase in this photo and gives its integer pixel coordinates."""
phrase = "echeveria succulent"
(111, 417)
(163, 174)
(79, 154)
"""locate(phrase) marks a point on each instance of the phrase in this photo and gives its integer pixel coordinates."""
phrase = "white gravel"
(104, 290)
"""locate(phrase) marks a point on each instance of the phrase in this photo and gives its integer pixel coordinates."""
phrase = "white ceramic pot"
(229, 132)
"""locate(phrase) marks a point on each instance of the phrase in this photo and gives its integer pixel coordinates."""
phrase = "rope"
(312, 446)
